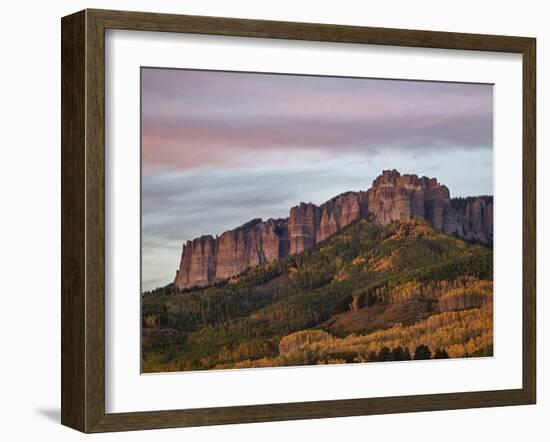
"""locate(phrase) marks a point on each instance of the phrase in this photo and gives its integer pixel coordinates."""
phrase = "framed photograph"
(270, 220)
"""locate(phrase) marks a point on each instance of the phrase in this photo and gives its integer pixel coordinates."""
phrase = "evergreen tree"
(441, 354)
(384, 354)
(422, 352)
(397, 354)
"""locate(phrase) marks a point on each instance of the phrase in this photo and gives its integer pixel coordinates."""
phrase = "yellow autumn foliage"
(459, 333)
(469, 296)
(301, 339)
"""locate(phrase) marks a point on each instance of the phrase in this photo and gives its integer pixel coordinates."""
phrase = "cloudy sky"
(221, 148)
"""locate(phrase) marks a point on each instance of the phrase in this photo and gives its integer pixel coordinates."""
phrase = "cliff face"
(207, 259)
(392, 197)
(309, 224)
(476, 219)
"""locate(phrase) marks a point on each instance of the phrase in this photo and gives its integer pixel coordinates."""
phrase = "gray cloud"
(194, 119)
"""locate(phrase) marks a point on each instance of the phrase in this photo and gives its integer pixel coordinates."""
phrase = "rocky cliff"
(208, 259)
(392, 197)
(309, 224)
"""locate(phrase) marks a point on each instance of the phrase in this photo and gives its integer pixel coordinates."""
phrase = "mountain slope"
(325, 302)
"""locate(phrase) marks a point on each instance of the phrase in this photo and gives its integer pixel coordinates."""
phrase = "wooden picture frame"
(83, 220)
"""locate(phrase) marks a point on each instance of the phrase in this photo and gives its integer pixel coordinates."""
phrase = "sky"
(221, 148)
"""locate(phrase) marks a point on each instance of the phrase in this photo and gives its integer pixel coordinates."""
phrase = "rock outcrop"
(209, 259)
(392, 197)
(475, 218)
(309, 224)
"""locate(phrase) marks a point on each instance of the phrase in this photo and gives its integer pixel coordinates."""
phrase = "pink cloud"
(197, 119)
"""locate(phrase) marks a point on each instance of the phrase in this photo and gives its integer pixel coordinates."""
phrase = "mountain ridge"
(392, 197)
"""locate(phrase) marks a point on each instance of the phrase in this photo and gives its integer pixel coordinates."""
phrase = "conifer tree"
(422, 352)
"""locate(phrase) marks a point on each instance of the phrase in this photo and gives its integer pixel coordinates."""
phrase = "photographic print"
(292, 220)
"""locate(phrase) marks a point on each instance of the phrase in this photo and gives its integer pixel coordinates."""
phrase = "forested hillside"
(369, 293)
